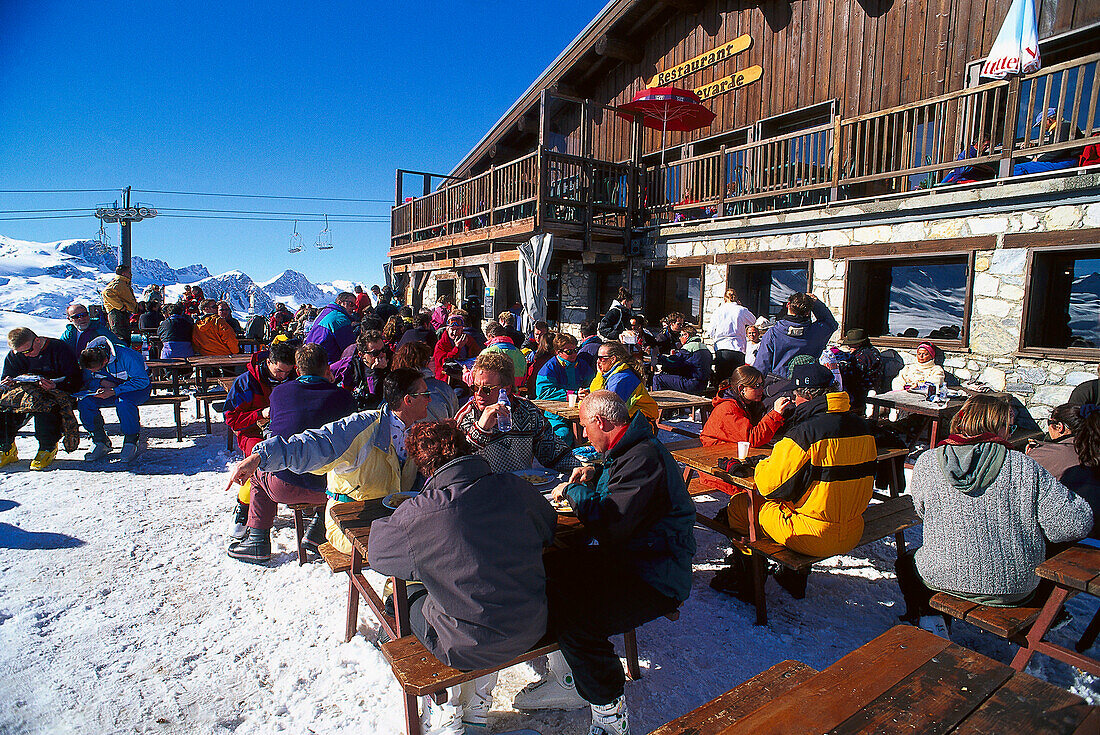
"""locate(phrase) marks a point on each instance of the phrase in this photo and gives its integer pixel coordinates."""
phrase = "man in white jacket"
(727, 331)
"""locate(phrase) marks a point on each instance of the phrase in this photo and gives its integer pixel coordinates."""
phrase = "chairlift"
(324, 237)
(101, 237)
(295, 240)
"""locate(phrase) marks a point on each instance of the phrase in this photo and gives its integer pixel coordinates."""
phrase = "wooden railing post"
(1008, 136)
(834, 190)
(542, 187)
(722, 180)
(492, 194)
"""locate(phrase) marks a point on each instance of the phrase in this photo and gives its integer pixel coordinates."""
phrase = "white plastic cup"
(571, 396)
(742, 451)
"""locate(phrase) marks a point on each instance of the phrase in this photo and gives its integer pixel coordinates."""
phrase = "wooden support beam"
(614, 47)
(563, 89)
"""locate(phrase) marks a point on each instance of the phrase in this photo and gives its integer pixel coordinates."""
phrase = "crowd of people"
(365, 398)
(440, 405)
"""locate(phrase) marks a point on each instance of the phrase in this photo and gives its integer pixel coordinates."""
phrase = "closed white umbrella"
(534, 270)
(1016, 50)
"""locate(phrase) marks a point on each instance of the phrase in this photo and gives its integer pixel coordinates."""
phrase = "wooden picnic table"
(204, 364)
(905, 401)
(908, 680)
(1075, 570)
(893, 515)
(666, 400)
(354, 520)
(174, 367)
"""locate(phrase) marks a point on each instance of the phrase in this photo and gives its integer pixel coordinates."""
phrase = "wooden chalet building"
(837, 123)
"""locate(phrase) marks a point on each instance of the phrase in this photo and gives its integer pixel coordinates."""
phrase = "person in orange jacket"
(213, 335)
(739, 415)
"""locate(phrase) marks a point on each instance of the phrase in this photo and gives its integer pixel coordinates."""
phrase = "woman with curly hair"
(473, 540)
(1084, 478)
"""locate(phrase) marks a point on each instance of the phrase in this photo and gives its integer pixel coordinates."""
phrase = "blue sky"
(280, 98)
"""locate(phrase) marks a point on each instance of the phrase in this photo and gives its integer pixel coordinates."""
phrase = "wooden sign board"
(730, 83)
(702, 61)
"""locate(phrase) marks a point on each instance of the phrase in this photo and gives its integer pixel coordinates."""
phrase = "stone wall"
(574, 295)
(998, 285)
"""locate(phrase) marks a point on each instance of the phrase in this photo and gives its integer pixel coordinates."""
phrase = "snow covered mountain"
(42, 279)
(294, 289)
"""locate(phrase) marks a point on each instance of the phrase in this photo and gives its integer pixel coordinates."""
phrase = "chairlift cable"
(259, 196)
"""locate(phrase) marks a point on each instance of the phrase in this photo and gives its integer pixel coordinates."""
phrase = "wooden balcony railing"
(574, 190)
(891, 151)
(904, 148)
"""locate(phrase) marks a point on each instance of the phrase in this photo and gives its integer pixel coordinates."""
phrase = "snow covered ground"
(119, 612)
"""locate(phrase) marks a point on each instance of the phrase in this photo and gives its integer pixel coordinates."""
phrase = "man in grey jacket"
(474, 541)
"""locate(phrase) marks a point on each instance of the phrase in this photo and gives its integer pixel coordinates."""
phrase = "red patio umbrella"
(668, 108)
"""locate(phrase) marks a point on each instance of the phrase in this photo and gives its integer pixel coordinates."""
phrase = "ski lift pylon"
(295, 240)
(324, 237)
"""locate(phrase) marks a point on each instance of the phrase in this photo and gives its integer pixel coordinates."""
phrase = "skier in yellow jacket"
(816, 483)
(119, 301)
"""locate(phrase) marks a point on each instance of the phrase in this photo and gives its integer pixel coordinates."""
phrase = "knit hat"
(928, 346)
(812, 376)
(798, 360)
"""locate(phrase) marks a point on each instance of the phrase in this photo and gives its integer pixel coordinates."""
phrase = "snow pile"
(119, 612)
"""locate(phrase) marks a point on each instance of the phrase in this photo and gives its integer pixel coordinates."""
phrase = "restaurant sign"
(728, 84)
(702, 61)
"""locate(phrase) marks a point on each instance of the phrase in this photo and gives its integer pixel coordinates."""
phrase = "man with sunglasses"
(367, 369)
(560, 375)
(530, 436)
(83, 328)
(56, 368)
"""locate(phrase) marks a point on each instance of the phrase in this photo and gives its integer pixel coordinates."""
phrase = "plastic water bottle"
(941, 396)
(504, 412)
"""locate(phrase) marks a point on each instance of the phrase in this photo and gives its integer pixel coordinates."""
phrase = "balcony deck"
(902, 151)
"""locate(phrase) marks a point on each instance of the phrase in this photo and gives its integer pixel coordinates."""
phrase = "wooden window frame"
(953, 345)
(1068, 354)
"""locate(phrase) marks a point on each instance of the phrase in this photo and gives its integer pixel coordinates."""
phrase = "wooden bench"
(300, 526)
(421, 674)
(716, 715)
(1010, 623)
(889, 517)
(338, 562)
(176, 402)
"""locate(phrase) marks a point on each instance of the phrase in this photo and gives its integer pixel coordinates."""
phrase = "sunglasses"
(571, 351)
(375, 353)
(421, 393)
(485, 390)
(81, 315)
(27, 351)
(605, 357)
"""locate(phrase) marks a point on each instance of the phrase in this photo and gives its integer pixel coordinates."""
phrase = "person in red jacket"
(739, 415)
(454, 343)
(247, 406)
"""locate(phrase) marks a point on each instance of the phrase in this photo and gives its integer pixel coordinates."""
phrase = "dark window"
(764, 289)
(1064, 300)
(674, 289)
(445, 287)
(553, 297)
(915, 298)
(792, 122)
